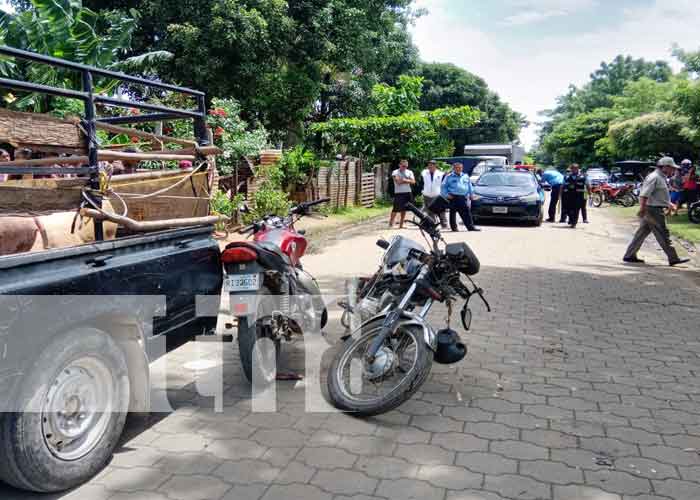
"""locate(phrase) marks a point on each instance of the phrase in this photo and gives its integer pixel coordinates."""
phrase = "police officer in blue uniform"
(457, 189)
(574, 193)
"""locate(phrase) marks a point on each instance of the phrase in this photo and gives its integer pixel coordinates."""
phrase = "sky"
(529, 51)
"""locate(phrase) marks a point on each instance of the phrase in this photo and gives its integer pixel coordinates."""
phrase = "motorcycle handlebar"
(425, 222)
(301, 208)
(246, 229)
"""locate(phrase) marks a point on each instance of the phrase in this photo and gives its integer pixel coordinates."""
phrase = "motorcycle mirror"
(382, 243)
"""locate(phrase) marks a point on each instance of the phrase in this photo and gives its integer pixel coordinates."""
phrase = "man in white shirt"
(403, 193)
(432, 183)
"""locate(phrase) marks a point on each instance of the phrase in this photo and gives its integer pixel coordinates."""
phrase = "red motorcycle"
(620, 195)
(271, 295)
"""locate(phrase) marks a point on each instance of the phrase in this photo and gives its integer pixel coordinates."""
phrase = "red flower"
(135, 139)
(134, 111)
(218, 132)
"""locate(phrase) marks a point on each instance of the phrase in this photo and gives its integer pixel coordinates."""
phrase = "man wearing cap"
(457, 189)
(654, 199)
(432, 183)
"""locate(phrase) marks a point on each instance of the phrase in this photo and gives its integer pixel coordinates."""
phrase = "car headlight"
(476, 197)
(531, 198)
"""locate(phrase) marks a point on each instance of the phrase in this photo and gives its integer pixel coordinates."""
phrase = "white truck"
(513, 152)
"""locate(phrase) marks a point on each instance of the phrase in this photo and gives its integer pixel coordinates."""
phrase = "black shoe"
(679, 261)
(633, 260)
(572, 226)
(474, 229)
(551, 221)
(585, 222)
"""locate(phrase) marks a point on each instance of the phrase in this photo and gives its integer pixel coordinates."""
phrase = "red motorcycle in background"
(271, 295)
(620, 195)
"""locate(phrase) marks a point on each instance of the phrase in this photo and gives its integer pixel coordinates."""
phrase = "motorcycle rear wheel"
(340, 392)
(627, 200)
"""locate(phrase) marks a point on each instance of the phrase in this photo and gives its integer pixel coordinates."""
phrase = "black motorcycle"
(385, 361)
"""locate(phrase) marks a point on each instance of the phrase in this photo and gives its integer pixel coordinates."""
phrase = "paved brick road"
(583, 384)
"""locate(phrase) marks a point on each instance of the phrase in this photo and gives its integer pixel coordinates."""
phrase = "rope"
(173, 186)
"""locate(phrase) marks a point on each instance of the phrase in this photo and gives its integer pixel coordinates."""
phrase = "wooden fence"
(343, 181)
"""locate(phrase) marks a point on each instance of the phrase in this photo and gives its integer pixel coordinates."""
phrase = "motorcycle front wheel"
(401, 367)
(597, 199)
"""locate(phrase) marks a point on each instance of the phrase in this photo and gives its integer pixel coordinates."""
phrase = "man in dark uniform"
(575, 188)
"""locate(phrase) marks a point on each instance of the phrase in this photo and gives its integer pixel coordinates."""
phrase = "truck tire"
(69, 414)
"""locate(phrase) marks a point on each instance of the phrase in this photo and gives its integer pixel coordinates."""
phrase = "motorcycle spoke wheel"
(358, 383)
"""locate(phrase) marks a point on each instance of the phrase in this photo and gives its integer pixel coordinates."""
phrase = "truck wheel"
(70, 413)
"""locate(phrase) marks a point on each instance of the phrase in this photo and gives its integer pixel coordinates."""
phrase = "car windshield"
(507, 179)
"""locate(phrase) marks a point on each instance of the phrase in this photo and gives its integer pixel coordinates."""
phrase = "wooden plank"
(21, 129)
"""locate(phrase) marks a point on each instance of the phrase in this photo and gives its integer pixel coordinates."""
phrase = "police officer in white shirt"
(432, 182)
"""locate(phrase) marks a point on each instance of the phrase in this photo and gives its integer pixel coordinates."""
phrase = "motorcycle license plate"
(500, 210)
(242, 282)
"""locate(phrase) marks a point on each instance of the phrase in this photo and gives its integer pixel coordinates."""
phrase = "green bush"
(269, 198)
(233, 135)
(298, 166)
(418, 136)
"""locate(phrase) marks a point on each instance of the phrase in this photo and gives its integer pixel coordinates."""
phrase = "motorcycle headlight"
(531, 198)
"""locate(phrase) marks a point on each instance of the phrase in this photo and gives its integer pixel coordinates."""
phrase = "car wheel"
(69, 414)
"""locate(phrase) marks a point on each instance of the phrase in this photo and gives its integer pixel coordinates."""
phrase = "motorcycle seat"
(269, 255)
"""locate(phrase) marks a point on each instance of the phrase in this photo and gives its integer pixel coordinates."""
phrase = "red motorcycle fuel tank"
(289, 241)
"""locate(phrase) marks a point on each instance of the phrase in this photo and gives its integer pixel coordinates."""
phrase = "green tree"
(653, 135)
(579, 113)
(66, 29)
(447, 85)
(645, 96)
(574, 140)
(418, 136)
(400, 99)
(281, 60)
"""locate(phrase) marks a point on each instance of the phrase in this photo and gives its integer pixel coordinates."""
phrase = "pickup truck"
(78, 328)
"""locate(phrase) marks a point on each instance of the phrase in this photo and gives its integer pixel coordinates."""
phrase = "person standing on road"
(403, 193)
(564, 217)
(654, 199)
(690, 187)
(575, 189)
(676, 187)
(556, 180)
(432, 185)
(457, 188)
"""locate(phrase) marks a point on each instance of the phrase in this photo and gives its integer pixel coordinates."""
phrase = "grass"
(352, 215)
(679, 225)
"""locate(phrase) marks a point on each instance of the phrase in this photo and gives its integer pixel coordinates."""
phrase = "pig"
(18, 234)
